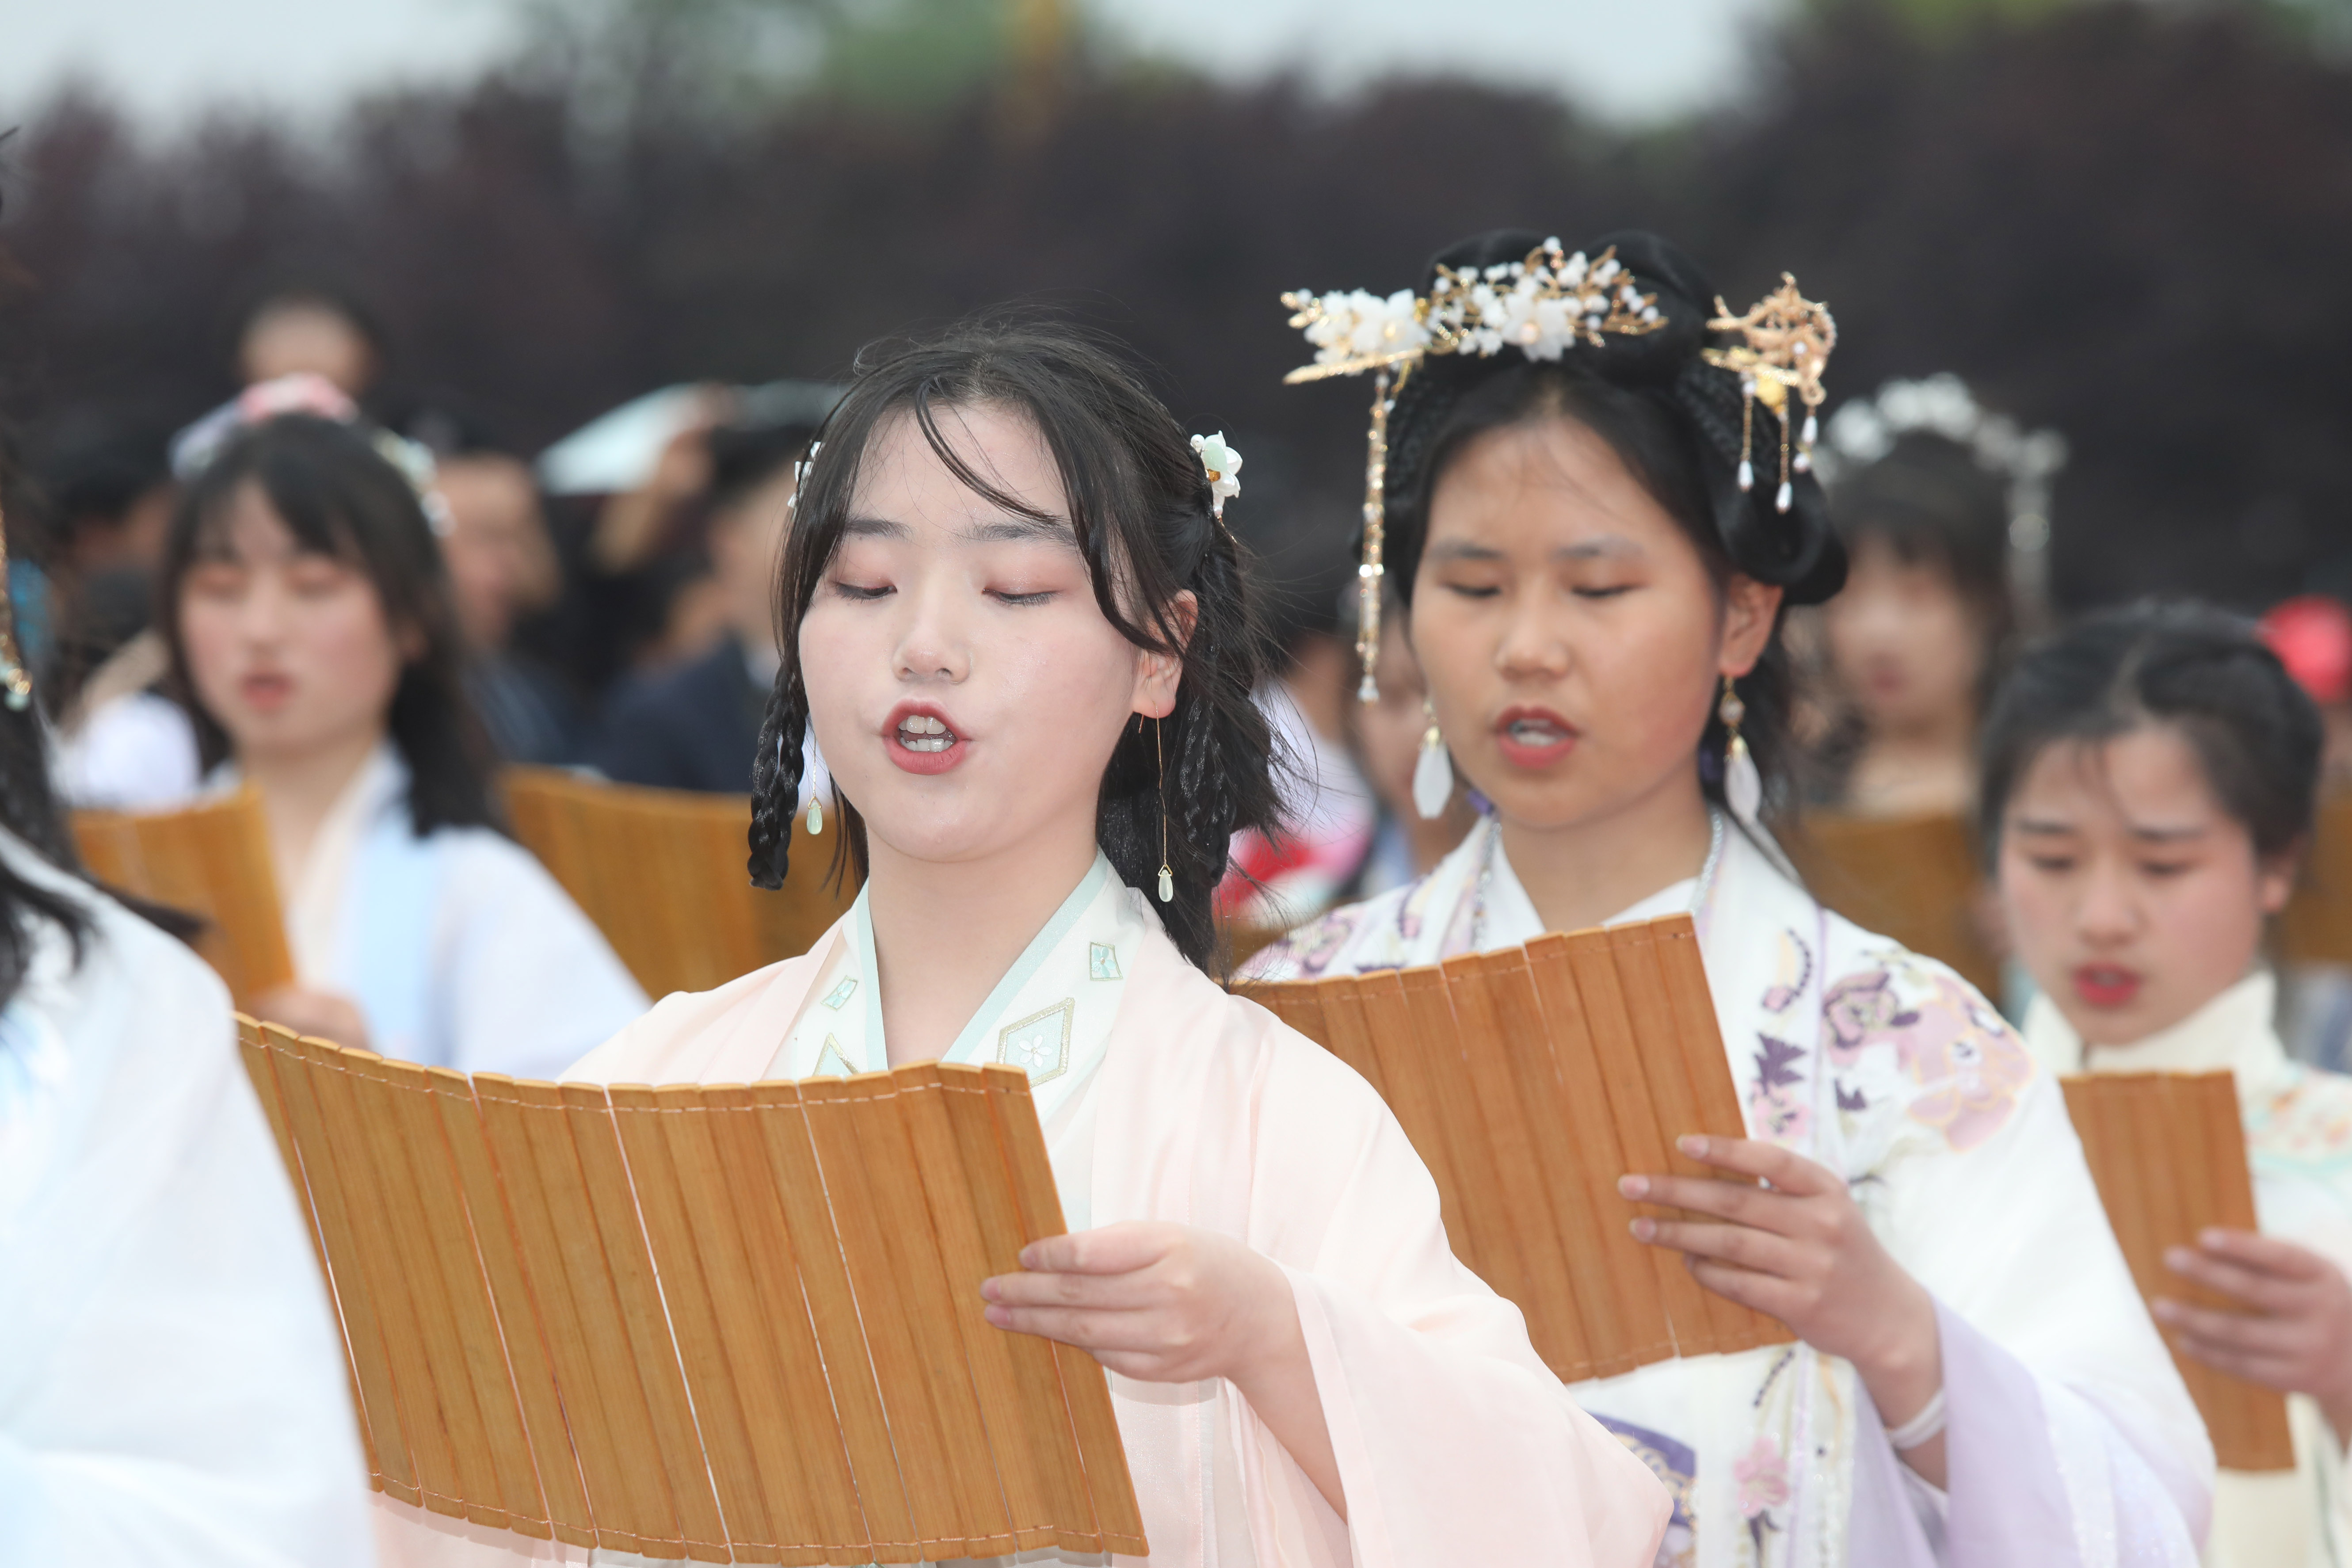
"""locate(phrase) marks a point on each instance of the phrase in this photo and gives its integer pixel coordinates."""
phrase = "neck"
(1433, 841)
(1580, 874)
(299, 788)
(1927, 766)
(946, 931)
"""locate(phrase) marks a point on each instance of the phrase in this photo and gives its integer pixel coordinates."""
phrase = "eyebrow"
(872, 527)
(999, 530)
(1607, 546)
(2145, 834)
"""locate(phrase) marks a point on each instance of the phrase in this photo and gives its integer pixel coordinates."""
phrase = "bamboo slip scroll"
(1915, 879)
(732, 1323)
(1531, 1078)
(660, 871)
(210, 860)
(2168, 1155)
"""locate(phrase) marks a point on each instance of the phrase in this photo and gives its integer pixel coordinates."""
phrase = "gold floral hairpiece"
(1784, 348)
(1541, 305)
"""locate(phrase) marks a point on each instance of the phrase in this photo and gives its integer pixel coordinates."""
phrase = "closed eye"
(1608, 593)
(1042, 597)
(1473, 591)
(2167, 867)
(2051, 864)
(860, 592)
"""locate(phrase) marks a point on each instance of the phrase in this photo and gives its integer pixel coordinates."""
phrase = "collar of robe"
(2233, 1031)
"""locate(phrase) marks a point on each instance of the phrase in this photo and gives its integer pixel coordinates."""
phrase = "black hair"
(1672, 418)
(1138, 504)
(745, 456)
(2256, 733)
(338, 495)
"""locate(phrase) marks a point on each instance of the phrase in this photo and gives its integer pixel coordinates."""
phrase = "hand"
(1166, 1303)
(1170, 1303)
(1801, 1251)
(321, 1015)
(2298, 1338)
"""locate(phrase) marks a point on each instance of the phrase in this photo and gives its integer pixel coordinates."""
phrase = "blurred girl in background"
(1593, 560)
(1941, 511)
(314, 642)
(2149, 783)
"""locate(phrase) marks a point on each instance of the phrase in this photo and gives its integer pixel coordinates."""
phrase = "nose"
(933, 643)
(1531, 645)
(2107, 913)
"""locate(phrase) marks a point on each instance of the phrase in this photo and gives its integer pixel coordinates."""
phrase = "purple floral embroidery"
(1774, 1104)
(1316, 947)
(1763, 1477)
(1860, 1010)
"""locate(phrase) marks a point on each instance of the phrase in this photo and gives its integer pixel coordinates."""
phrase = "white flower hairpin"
(1223, 467)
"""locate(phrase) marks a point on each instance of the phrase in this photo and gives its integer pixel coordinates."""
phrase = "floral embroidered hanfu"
(2071, 1441)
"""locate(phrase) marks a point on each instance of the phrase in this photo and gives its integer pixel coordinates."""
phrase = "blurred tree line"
(2129, 222)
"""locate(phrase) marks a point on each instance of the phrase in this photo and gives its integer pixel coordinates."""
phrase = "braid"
(776, 781)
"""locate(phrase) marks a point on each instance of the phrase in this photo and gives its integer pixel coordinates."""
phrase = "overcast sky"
(1633, 60)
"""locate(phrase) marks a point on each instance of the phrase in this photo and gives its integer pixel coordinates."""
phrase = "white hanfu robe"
(459, 948)
(2299, 1143)
(171, 1381)
(2071, 1441)
(1165, 1098)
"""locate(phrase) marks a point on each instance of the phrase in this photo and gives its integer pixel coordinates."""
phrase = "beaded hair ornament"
(1544, 306)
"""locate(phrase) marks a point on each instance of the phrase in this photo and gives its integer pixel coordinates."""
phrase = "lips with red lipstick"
(2106, 984)
(1533, 737)
(266, 690)
(922, 740)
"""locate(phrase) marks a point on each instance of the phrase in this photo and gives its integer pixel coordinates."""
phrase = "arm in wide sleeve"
(1455, 1443)
(2067, 1418)
(172, 1386)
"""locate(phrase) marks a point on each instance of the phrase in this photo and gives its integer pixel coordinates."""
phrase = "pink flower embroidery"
(1859, 1011)
(1968, 1059)
(1763, 1477)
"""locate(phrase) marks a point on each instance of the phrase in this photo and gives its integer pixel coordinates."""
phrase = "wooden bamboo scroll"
(2316, 927)
(661, 873)
(1530, 1081)
(733, 1323)
(211, 860)
(2168, 1154)
(1916, 879)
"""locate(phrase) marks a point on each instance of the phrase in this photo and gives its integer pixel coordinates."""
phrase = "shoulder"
(2305, 1125)
(655, 695)
(1367, 935)
(1900, 1029)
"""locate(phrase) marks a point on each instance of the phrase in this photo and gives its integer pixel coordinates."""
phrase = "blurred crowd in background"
(2086, 261)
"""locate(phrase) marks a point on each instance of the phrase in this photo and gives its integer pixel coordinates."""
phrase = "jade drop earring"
(1167, 877)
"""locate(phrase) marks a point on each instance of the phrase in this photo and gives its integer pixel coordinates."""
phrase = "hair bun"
(1796, 551)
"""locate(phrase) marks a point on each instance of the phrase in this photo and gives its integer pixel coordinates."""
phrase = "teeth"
(922, 724)
(922, 732)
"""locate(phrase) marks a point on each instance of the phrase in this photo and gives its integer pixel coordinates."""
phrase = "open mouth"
(1533, 738)
(2106, 984)
(921, 732)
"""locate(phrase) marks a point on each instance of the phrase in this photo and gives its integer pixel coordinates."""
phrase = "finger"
(1095, 1292)
(1736, 1201)
(2266, 1254)
(2270, 1371)
(2255, 1287)
(1772, 1297)
(2237, 1330)
(1785, 1169)
(1758, 1250)
(1110, 1249)
(1092, 1330)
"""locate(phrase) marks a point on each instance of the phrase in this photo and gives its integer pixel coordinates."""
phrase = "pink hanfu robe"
(1165, 1098)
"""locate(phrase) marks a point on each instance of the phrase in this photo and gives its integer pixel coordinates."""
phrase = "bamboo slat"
(733, 1322)
(1914, 878)
(2316, 927)
(661, 873)
(2168, 1155)
(211, 860)
(1530, 1079)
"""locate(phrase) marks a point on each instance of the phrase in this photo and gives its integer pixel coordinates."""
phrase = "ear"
(2274, 880)
(1157, 675)
(1749, 609)
(408, 640)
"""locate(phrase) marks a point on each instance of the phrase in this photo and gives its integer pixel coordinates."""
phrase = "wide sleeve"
(2067, 1423)
(1455, 1443)
(172, 1387)
(530, 985)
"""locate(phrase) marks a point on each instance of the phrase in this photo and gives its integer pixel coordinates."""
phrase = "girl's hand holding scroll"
(1801, 1251)
(2297, 1335)
(1173, 1303)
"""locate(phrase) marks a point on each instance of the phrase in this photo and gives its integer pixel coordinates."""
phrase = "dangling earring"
(1433, 772)
(15, 684)
(1743, 787)
(1167, 877)
(815, 816)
